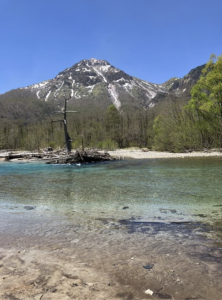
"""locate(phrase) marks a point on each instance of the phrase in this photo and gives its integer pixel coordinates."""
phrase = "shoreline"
(120, 154)
(140, 154)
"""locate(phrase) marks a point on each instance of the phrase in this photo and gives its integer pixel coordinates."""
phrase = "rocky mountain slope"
(95, 78)
(96, 83)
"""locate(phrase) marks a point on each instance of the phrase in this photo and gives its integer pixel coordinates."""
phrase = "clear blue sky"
(150, 39)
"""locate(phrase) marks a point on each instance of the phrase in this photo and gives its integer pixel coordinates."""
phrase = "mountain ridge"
(97, 83)
(80, 80)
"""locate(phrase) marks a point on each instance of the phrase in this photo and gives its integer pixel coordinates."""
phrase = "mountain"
(99, 81)
(179, 87)
(96, 84)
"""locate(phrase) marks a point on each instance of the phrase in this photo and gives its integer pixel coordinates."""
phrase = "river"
(165, 201)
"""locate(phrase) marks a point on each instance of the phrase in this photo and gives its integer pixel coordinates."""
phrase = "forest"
(175, 125)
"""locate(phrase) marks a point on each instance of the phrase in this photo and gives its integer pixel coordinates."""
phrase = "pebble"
(90, 284)
(149, 292)
(148, 267)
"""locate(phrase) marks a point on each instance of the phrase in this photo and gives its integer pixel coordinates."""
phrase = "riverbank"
(118, 154)
(140, 154)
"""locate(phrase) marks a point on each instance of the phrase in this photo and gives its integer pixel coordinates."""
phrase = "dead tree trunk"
(68, 140)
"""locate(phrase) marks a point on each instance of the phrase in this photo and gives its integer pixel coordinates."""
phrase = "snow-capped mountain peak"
(93, 78)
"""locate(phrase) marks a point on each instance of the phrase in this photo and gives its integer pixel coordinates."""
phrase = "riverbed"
(130, 229)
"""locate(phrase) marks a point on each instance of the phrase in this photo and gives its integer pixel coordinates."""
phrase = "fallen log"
(24, 155)
(20, 155)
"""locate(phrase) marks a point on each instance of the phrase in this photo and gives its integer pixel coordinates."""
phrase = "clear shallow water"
(164, 189)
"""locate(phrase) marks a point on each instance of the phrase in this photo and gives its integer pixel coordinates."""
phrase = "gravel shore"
(140, 154)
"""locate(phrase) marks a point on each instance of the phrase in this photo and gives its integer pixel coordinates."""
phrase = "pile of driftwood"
(58, 156)
(82, 157)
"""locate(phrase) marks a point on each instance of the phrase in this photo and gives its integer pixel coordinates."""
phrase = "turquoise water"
(164, 189)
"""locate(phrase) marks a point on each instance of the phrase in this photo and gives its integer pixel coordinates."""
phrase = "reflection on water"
(164, 189)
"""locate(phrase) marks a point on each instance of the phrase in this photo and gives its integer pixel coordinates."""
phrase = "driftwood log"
(24, 155)
(20, 155)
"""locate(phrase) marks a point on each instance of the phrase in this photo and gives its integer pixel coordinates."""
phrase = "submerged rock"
(29, 207)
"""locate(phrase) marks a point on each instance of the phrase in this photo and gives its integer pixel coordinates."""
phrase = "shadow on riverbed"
(177, 229)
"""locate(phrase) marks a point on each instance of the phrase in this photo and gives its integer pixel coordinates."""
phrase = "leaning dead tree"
(68, 140)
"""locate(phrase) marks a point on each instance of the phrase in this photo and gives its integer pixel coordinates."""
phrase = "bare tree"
(68, 140)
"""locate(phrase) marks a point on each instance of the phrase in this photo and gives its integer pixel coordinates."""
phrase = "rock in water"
(29, 207)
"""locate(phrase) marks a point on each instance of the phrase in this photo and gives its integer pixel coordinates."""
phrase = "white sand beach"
(140, 154)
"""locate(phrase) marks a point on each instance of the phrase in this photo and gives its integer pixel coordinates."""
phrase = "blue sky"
(153, 40)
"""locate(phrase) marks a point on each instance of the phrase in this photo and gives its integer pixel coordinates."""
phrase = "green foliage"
(52, 144)
(198, 124)
(107, 144)
(113, 123)
(206, 103)
(207, 93)
(96, 129)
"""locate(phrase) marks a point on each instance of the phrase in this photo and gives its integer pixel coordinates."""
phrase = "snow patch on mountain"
(37, 94)
(99, 73)
(150, 94)
(47, 96)
(105, 68)
(57, 91)
(90, 87)
(128, 86)
(114, 96)
(86, 70)
(37, 85)
(121, 79)
(76, 95)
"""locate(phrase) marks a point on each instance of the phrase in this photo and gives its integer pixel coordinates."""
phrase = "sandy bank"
(140, 154)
